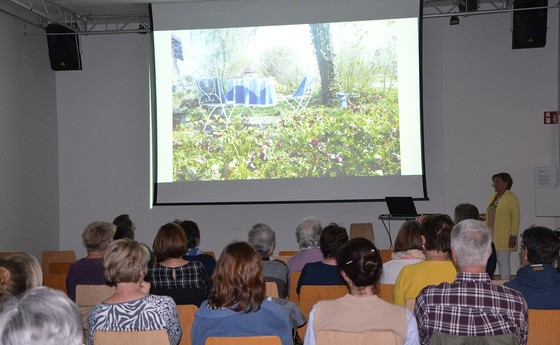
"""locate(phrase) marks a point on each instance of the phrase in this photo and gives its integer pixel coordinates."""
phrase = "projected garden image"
(276, 102)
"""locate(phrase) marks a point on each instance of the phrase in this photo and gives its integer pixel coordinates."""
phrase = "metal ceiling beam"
(47, 12)
(51, 12)
(118, 24)
(435, 9)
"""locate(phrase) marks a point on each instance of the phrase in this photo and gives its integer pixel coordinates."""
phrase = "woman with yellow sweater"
(436, 268)
(502, 218)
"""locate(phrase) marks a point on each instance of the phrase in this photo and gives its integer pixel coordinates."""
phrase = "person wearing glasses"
(538, 281)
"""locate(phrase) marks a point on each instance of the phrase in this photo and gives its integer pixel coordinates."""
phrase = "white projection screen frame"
(170, 17)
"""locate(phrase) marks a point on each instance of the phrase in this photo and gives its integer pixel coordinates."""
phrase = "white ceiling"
(109, 7)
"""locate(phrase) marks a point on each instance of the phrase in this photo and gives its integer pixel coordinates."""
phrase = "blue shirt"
(206, 260)
(270, 319)
(319, 273)
(539, 284)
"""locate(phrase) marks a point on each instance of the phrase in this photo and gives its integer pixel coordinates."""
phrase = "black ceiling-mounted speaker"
(468, 5)
(529, 26)
(64, 48)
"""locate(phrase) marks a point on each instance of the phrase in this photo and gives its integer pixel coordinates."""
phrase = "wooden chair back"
(211, 253)
(386, 254)
(4, 255)
(254, 340)
(294, 278)
(55, 281)
(56, 256)
(87, 296)
(60, 267)
(288, 252)
(311, 294)
(93, 294)
(186, 317)
(327, 337)
(542, 326)
(157, 337)
(272, 290)
(385, 292)
(363, 230)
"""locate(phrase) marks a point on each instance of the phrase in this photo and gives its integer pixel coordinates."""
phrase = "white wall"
(490, 100)
(28, 141)
(483, 105)
(104, 157)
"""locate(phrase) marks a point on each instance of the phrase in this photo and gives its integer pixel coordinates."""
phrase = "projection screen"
(287, 101)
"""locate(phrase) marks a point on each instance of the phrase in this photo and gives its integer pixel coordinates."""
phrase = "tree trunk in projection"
(322, 41)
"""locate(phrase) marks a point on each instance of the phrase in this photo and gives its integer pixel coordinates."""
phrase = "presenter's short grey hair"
(41, 316)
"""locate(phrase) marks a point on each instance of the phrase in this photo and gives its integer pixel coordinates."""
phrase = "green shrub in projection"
(360, 140)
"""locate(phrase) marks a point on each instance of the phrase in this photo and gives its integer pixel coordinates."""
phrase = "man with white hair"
(263, 238)
(308, 233)
(471, 305)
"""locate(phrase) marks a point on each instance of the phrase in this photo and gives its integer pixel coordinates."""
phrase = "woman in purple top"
(308, 233)
(89, 270)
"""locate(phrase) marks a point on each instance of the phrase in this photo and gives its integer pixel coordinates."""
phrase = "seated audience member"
(126, 228)
(173, 275)
(359, 263)
(325, 272)
(194, 253)
(41, 316)
(308, 233)
(471, 305)
(263, 238)
(538, 281)
(13, 278)
(89, 270)
(237, 305)
(408, 251)
(33, 271)
(469, 211)
(131, 307)
(436, 268)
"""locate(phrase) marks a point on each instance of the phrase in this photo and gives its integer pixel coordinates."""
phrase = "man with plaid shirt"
(471, 305)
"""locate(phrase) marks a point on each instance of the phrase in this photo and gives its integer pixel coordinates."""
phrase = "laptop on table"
(401, 207)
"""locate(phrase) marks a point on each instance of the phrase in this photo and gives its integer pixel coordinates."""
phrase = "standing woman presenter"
(502, 218)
